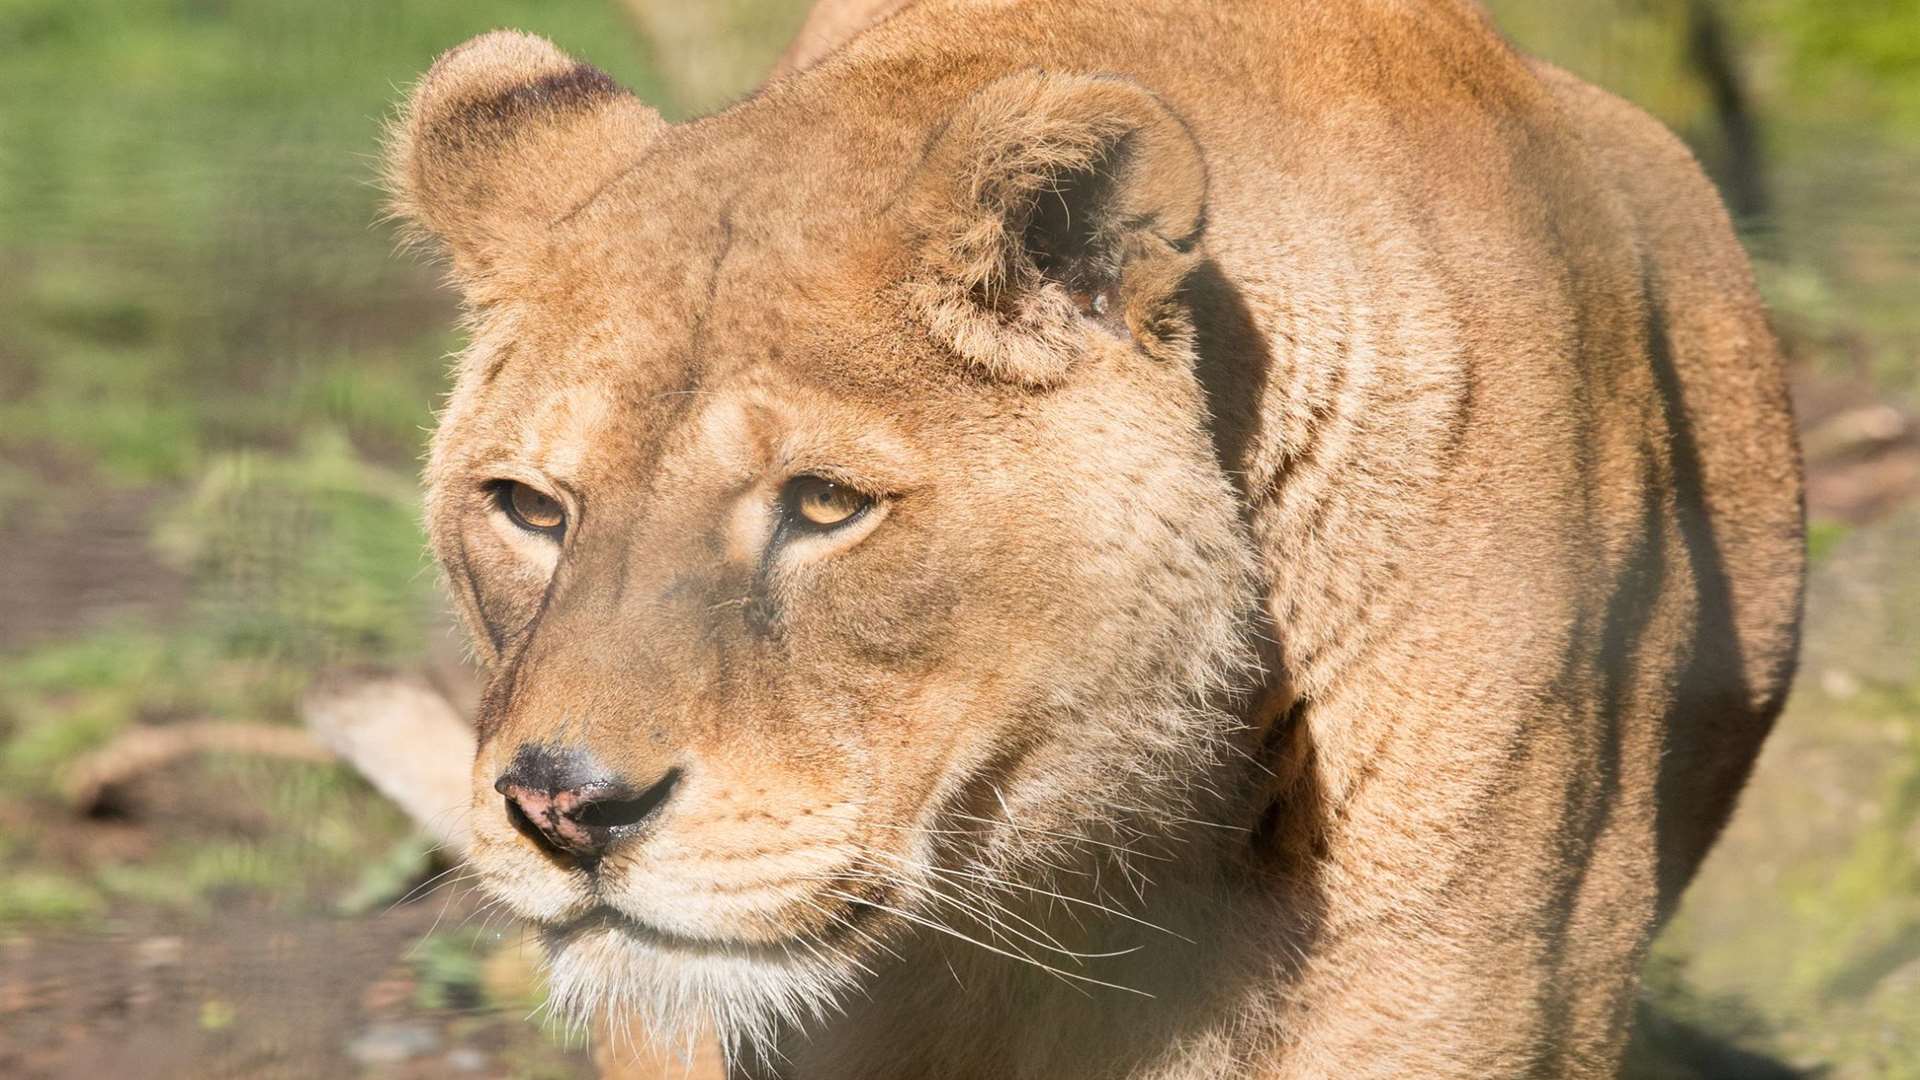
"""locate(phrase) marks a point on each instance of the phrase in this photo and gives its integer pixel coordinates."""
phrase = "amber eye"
(530, 508)
(823, 504)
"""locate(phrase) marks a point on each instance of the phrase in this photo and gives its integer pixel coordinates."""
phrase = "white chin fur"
(674, 994)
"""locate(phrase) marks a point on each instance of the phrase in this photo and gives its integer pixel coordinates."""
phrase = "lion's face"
(824, 551)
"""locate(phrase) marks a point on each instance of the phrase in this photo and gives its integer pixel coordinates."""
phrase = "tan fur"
(1337, 546)
(828, 26)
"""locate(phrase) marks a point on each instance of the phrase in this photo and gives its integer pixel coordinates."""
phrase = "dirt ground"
(431, 986)
(251, 995)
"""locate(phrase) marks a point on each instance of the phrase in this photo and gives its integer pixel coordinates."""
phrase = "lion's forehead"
(653, 368)
(718, 422)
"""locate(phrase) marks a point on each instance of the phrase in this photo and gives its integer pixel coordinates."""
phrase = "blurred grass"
(1835, 87)
(196, 299)
(197, 305)
(200, 309)
(1806, 918)
(186, 202)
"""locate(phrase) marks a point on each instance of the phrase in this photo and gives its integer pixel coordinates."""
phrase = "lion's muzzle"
(575, 809)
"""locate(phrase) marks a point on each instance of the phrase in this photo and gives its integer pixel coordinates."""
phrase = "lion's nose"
(573, 807)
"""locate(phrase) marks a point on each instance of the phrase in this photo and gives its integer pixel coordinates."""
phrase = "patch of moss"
(315, 555)
(450, 969)
(1823, 535)
(39, 898)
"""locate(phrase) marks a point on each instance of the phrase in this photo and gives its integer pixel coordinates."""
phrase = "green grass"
(1816, 960)
(191, 259)
(313, 554)
(450, 970)
(65, 699)
(1822, 537)
(1834, 88)
(43, 898)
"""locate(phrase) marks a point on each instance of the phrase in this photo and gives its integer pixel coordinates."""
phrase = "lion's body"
(1466, 371)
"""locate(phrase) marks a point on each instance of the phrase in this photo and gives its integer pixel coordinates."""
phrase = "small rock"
(466, 1059)
(388, 993)
(392, 1043)
(1856, 430)
(1840, 684)
(159, 952)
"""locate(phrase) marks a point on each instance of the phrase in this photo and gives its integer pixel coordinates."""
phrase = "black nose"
(574, 808)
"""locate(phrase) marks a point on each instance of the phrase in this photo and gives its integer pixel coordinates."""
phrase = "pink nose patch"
(553, 814)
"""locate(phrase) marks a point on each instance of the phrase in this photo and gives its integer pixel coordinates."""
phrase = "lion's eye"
(822, 503)
(531, 509)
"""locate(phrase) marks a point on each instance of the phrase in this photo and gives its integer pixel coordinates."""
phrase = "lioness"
(1083, 538)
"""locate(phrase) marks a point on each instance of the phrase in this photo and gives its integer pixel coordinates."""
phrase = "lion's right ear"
(1051, 203)
(503, 136)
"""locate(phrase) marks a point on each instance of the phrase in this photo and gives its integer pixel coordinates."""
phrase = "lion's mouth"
(847, 920)
(603, 919)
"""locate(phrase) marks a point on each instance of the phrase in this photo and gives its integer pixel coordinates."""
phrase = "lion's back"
(1736, 467)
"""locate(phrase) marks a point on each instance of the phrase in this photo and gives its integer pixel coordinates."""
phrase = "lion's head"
(831, 496)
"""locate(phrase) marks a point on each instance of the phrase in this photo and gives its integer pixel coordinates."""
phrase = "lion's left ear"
(1049, 207)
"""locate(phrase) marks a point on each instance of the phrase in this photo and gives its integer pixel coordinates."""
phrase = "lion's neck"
(1014, 1000)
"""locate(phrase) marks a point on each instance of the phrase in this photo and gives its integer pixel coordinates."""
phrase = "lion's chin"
(608, 967)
